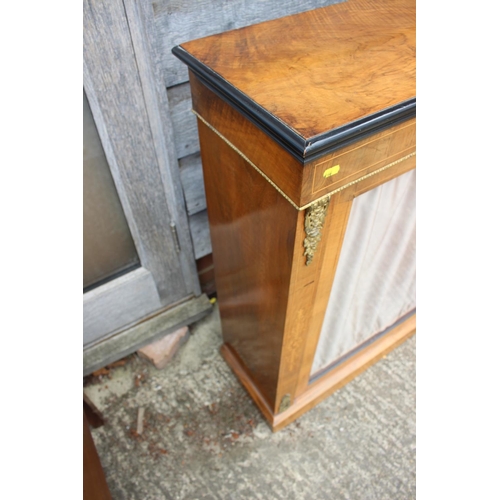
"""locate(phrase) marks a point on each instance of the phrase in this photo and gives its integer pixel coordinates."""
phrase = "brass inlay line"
(245, 158)
(328, 195)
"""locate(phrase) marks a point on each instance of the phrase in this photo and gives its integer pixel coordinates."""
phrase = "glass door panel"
(374, 284)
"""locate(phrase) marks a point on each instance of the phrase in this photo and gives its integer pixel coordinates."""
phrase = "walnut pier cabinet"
(307, 134)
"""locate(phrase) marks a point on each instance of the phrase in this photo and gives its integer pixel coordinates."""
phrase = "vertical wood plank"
(192, 183)
(143, 34)
(200, 232)
(183, 121)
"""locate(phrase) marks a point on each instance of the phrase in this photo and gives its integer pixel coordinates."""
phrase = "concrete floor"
(205, 439)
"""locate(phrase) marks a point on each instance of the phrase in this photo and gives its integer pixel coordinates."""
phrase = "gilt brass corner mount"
(286, 401)
(314, 221)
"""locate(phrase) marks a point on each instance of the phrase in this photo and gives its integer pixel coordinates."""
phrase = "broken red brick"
(102, 371)
(163, 350)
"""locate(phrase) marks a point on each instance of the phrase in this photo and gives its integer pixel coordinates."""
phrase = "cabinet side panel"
(252, 228)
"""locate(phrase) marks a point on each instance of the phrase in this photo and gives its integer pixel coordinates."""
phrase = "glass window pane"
(374, 284)
(108, 247)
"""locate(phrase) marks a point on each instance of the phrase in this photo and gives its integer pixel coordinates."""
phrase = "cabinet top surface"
(316, 75)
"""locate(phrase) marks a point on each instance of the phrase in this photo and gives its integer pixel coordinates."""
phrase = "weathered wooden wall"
(176, 22)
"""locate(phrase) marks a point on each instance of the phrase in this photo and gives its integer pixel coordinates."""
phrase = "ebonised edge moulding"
(307, 134)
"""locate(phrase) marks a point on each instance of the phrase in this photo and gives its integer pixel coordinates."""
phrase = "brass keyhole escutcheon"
(331, 171)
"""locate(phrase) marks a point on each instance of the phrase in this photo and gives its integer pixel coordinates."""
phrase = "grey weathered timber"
(118, 303)
(200, 233)
(183, 121)
(178, 21)
(113, 86)
(142, 28)
(192, 183)
(149, 330)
